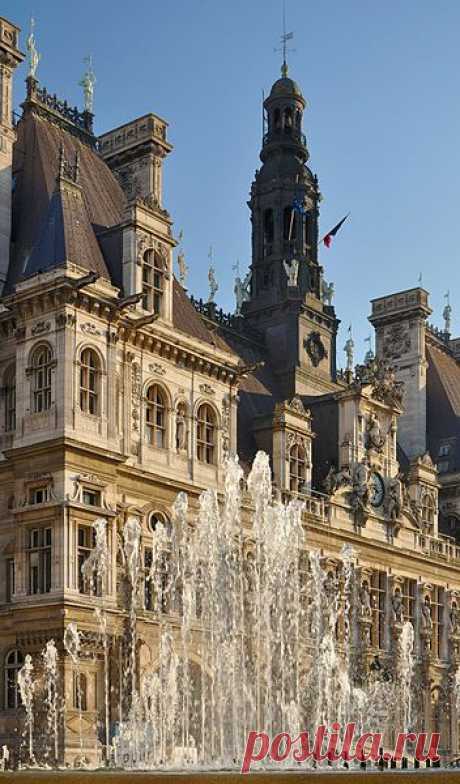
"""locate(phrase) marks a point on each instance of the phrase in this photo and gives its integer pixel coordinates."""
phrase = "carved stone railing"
(441, 547)
(226, 320)
(438, 333)
(315, 504)
(70, 117)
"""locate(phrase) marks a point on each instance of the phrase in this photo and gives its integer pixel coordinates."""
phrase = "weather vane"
(284, 48)
(88, 82)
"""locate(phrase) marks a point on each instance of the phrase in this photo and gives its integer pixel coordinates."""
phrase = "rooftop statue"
(34, 55)
(88, 82)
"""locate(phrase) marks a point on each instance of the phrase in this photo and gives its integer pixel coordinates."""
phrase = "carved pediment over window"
(89, 482)
(144, 242)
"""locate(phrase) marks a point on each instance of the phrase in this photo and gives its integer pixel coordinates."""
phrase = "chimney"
(10, 57)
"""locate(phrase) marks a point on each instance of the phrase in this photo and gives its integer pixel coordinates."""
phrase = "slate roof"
(67, 234)
(35, 167)
(54, 220)
(443, 404)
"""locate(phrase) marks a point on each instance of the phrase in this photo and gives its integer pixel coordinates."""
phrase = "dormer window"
(153, 280)
(297, 468)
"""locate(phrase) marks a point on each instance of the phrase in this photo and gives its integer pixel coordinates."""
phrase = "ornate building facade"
(119, 391)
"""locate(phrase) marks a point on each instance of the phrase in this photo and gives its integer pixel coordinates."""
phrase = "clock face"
(376, 490)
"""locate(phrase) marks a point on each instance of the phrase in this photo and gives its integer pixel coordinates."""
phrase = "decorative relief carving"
(20, 333)
(207, 389)
(397, 341)
(144, 242)
(65, 320)
(155, 367)
(136, 390)
(81, 482)
(226, 404)
(315, 348)
(381, 376)
(374, 437)
(90, 329)
(41, 327)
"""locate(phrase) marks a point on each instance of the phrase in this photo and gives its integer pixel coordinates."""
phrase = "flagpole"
(328, 232)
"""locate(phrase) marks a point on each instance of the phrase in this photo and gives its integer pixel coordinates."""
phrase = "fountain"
(249, 630)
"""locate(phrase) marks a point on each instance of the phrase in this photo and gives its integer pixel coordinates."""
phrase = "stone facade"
(118, 393)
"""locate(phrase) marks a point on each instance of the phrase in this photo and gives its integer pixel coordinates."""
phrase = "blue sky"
(383, 124)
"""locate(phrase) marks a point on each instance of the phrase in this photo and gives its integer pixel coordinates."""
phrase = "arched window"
(428, 511)
(289, 224)
(297, 468)
(80, 691)
(277, 119)
(10, 398)
(13, 663)
(89, 381)
(288, 120)
(155, 417)
(269, 227)
(157, 519)
(41, 378)
(298, 119)
(153, 275)
(206, 434)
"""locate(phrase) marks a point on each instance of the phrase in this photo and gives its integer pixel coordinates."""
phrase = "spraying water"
(50, 665)
(26, 689)
(246, 629)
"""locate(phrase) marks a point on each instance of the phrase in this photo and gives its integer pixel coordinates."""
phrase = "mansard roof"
(443, 403)
(67, 234)
(35, 166)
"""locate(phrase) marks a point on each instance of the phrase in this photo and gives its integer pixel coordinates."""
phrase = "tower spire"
(284, 39)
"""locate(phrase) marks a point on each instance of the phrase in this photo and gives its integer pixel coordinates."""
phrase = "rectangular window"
(86, 543)
(408, 597)
(379, 588)
(149, 592)
(39, 560)
(10, 408)
(437, 615)
(91, 497)
(10, 579)
(39, 495)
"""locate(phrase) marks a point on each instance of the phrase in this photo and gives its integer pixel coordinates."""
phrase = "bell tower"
(285, 302)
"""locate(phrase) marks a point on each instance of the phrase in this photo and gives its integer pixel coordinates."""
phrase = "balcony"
(443, 548)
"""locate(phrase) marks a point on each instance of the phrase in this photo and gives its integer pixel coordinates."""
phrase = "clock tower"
(285, 302)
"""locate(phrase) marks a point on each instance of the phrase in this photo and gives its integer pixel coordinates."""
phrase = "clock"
(376, 490)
